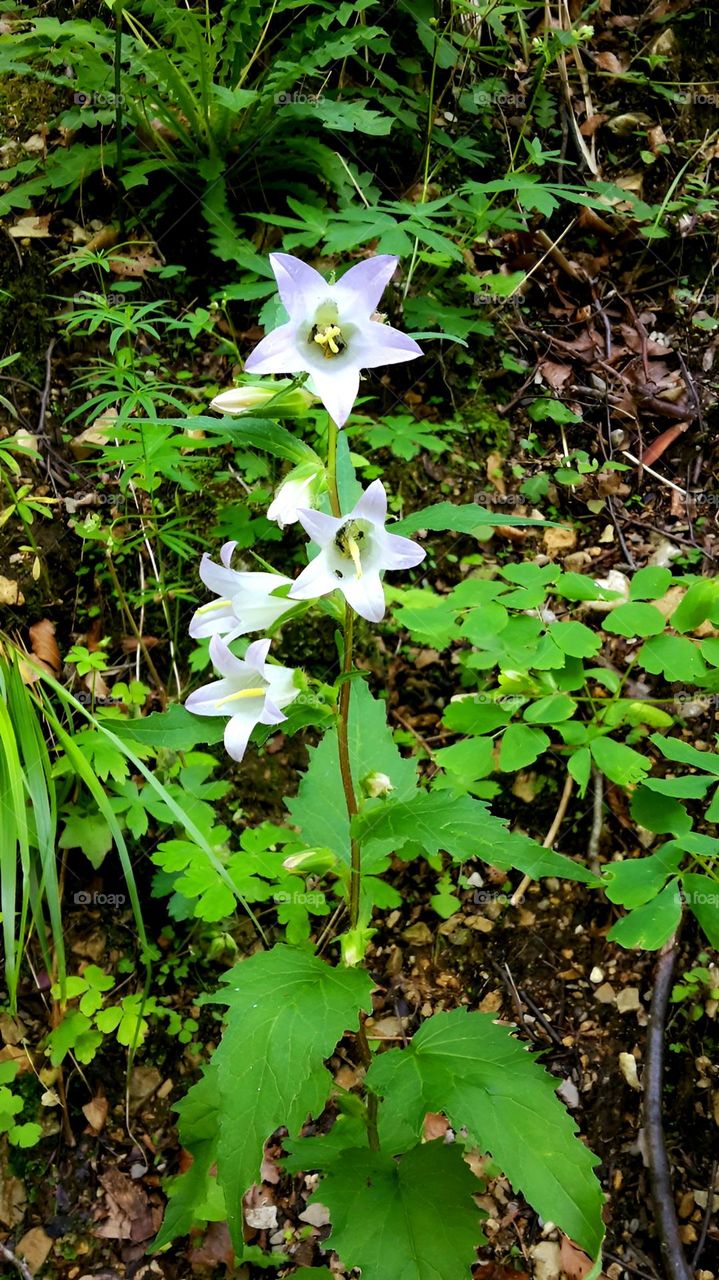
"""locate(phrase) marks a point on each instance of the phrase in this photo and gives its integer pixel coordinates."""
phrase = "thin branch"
(9, 1256)
(549, 839)
(675, 1263)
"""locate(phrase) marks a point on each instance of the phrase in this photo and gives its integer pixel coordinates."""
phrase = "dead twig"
(675, 1263)
(595, 834)
(549, 839)
(8, 1256)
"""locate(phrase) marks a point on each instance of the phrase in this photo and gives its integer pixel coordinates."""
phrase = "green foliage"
(413, 1215)
(485, 1082)
(20, 1131)
(287, 1010)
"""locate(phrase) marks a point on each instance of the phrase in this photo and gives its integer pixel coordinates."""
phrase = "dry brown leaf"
(575, 1264)
(95, 436)
(558, 540)
(34, 1248)
(555, 375)
(592, 123)
(495, 462)
(607, 61)
(31, 227)
(95, 1112)
(435, 1125)
(10, 592)
(216, 1249)
(44, 645)
(13, 1197)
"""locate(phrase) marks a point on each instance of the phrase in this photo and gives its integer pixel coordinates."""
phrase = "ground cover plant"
(359, 646)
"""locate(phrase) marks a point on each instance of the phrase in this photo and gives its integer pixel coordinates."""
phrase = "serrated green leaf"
(412, 1218)
(287, 1010)
(465, 829)
(175, 729)
(447, 517)
(470, 1068)
(319, 808)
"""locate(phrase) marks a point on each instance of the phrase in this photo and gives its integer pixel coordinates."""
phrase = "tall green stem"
(346, 769)
(332, 468)
(343, 750)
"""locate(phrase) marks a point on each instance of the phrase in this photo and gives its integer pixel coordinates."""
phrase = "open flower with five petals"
(354, 550)
(330, 333)
(250, 692)
(246, 600)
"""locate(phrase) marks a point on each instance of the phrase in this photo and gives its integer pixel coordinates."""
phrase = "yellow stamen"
(326, 339)
(216, 604)
(241, 693)
(355, 553)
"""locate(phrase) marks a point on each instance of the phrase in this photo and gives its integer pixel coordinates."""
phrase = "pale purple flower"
(354, 551)
(250, 692)
(330, 333)
(246, 600)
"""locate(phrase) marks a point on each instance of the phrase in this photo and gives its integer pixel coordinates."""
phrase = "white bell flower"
(330, 333)
(246, 601)
(250, 692)
(354, 551)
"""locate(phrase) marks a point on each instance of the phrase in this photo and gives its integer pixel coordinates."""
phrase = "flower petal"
(377, 344)
(365, 595)
(256, 655)
(227, 551)
(278, 352)
(224, 660)
(314, 581)
(372, 505)
(218, 578)
(301, 288)
(360, 289)
(271, 714)
(203, 702)
(400, 553)
(318, 526)
(237, 734)
(213, 622)
(337, 385)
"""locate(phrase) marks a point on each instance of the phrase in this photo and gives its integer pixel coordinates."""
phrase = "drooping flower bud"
(300, 489)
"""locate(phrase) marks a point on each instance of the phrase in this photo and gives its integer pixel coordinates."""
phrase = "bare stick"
(675, 1263)
(21, 1266)
(549, 839)
(595, 834)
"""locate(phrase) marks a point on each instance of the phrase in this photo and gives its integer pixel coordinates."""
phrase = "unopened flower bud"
(272, 399)
(312, 861)
(375, 785)
(354, 945)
